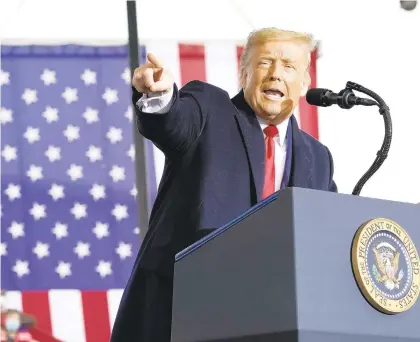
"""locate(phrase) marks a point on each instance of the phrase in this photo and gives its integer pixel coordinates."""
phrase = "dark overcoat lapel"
(302, 163)
(253, 140)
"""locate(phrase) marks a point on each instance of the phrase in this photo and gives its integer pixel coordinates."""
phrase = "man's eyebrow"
(266, 56)
(270, 56)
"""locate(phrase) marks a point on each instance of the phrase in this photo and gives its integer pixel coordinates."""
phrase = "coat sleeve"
(174, 131)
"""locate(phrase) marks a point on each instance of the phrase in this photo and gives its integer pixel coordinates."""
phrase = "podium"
(289, 270)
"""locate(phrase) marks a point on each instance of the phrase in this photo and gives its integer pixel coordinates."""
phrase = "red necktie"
(270, 172)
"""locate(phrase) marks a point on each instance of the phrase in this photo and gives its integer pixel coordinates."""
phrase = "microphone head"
(316, 97)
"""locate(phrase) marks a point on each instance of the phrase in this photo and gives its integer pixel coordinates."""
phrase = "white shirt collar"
(281, 127)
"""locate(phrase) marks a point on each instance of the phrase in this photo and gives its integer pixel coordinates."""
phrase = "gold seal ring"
(386, 265)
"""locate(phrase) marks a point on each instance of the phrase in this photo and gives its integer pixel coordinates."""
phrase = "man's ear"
(305, 84)
(243, 80)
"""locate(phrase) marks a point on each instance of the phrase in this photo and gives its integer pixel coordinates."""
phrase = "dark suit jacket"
(214, 171)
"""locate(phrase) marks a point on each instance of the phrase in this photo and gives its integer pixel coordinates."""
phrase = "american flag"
(69, 224)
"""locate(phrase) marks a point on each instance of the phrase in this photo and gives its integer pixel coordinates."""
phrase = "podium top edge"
(290, 190)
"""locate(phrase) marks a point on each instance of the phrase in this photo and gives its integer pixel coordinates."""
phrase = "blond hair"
(263, 35)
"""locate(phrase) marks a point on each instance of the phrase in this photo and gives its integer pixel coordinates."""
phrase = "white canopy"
(105, 22)
(98, 21)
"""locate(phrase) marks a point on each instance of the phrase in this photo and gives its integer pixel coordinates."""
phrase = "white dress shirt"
(159, 103)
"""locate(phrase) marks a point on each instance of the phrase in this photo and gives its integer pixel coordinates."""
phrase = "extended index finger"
(154, 60)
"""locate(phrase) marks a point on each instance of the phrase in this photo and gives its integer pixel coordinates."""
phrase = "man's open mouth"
(273, 93)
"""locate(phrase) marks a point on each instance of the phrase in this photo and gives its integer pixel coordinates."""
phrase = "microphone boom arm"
(382, 154)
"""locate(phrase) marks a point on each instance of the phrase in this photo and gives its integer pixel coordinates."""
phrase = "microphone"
(345, 98)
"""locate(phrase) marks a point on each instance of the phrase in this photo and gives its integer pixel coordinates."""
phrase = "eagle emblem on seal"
(385, 270)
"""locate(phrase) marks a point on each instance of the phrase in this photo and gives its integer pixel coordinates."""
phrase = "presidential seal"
(386, 265)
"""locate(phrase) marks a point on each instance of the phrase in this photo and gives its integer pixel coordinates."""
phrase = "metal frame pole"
(140, 143)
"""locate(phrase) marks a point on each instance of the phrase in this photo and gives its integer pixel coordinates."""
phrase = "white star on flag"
(136, 230)
(97, 191)
(75, 172)
(88, 77)
(71, 133)
(60, 230)
(48, 77)
(3, 249)
(21, 268)
(4, 78)
(70, 95)
(91, 115)
(9, 153)
(117, 173)
(38, 211)
(114, 135)
(110, 96)
(104, 268)
(16, 230)
(131, 152)
(120, 212)
(126, 76)
(32, 134)
(63, 269)
(53, 153)
(124, 250)
(35, 173)
(133, 191)
(82, 249)
(41, 250)
(101, 230)
(79, 211)
(56, 192)
(13, 192)
(129, 113)
(29, 96)
(94, 154)
(6, 115)
(50, 114)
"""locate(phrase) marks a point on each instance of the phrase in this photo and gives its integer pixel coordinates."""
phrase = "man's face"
(12, 321)
(276, 78)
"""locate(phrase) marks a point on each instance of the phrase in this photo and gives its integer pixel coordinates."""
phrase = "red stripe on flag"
(309, 114)
(96, 316)
(192, 63)
(42, 336)
(38, 305)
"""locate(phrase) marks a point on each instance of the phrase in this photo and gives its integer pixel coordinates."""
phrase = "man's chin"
(286, 108)
(273, 112)
(270, 117)
(276, 117)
